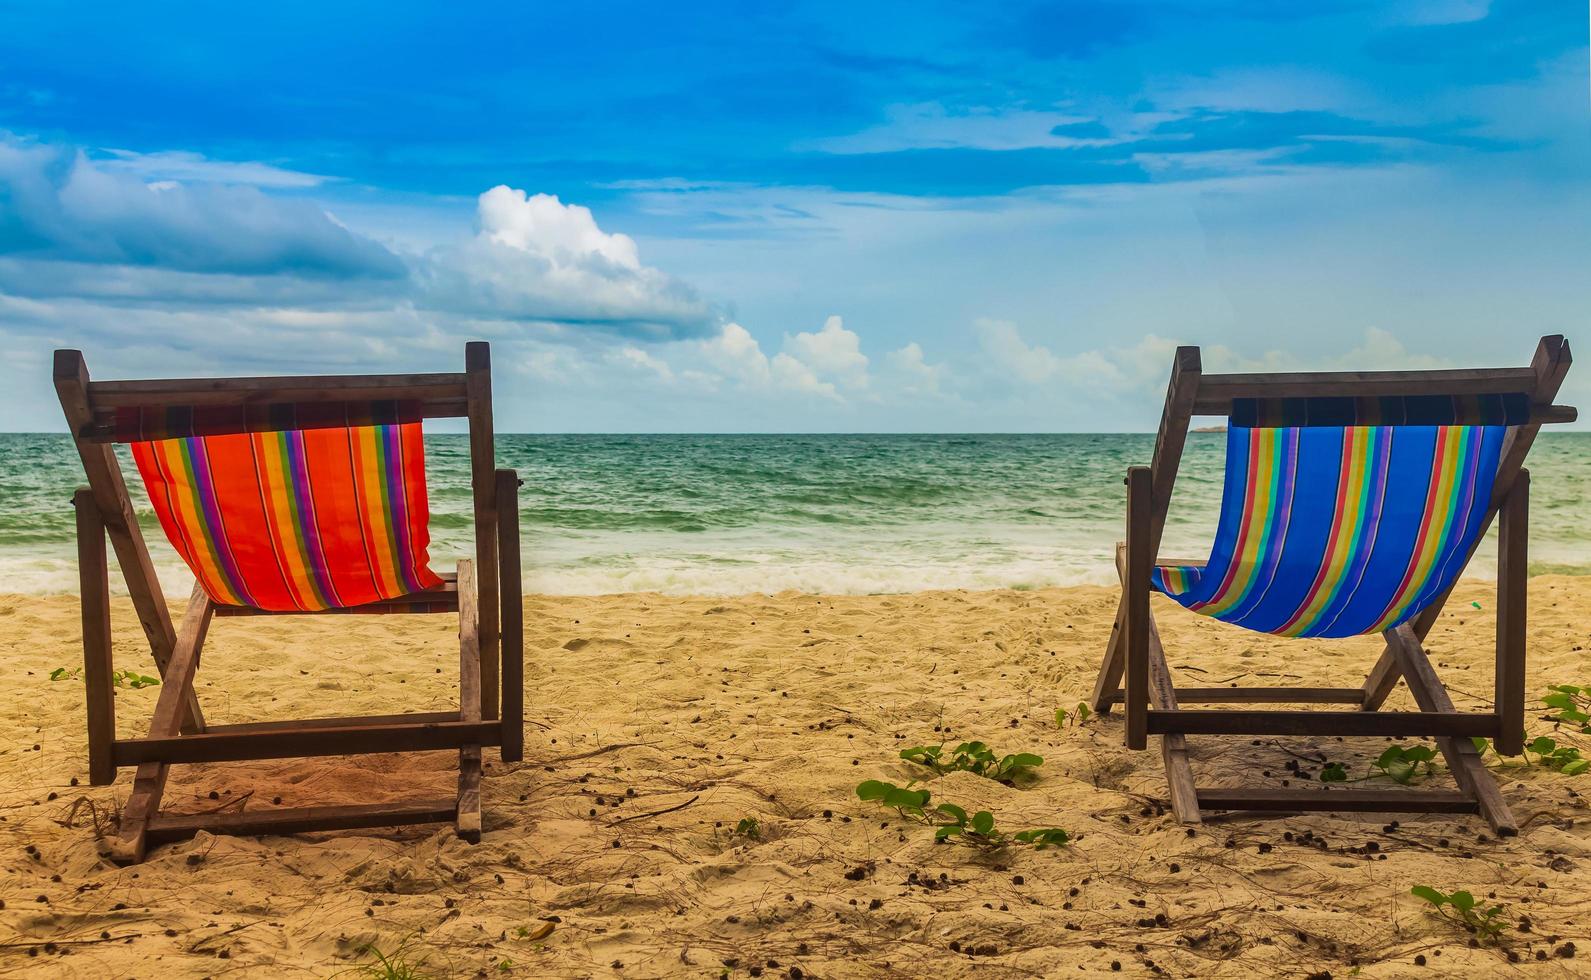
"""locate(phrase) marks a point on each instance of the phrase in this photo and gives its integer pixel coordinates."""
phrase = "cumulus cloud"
(833, 352)
(57, 204)
(910, 366)
(536, 259)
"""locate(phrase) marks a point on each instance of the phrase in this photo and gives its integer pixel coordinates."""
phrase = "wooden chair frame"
(485, 593)
(1153, 704)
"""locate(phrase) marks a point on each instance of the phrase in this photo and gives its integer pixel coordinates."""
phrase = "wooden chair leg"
(1461, 755)
(94, 578)
(512, 604)
(1110, 669)
(468, 819)
(1173, 747)
(1135, 590)
(176, 693)
(1163, 695)
(1512, 579)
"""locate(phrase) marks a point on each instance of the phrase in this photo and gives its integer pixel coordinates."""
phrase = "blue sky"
(791, 216)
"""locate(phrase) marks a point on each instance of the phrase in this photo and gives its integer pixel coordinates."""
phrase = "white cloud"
(536, 259)
(833, 352)
(566, 235)
(913, 372)
(181, 165)
(737, 354)
(57, 204)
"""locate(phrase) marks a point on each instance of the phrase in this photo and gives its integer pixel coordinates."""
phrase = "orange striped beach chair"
(291, 495)
(1351, 503)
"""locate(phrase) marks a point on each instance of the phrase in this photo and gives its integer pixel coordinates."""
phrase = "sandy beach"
(658, 723)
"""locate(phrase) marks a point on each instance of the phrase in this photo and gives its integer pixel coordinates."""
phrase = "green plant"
(952, 822)
(1334, 772)
(1406, 763)
(118, 678)
(1485, 923)
(1573, 705)
(400, 964)
(976, 758)
(1550, 754)
(133, 679)
(1077, 715)
(1044, 837)
(748, 828)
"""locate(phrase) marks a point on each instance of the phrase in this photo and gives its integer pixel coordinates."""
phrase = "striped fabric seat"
(1339, 531)
(303, 519)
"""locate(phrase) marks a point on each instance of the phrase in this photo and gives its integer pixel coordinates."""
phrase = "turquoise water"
(691, 514)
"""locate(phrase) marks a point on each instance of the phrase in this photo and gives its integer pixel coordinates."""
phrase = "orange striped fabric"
(297, 520)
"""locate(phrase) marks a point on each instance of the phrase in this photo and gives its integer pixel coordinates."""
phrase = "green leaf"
(1026, 760)
(1334, 772)
(1060, 717)
(1463, 901)
(1429, 894)
(953, 811)
(1561, 700)
(1577, 767)
(905, 798)
(945, 832)
(983, 822)
(873, 789)
(1542, 745)
(1481, 745)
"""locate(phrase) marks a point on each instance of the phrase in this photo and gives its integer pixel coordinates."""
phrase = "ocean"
(731, 514)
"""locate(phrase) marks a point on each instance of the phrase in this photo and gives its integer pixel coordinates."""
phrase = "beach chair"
(290, 495)
(1352, 501)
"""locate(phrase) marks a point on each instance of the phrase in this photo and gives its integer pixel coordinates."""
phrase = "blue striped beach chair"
(1352, 501)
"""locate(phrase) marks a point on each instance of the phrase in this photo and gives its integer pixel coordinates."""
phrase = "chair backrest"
(1352, 501)
(296, 519)
(285, 494)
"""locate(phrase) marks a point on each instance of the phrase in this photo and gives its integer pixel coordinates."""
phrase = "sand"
(772, 709)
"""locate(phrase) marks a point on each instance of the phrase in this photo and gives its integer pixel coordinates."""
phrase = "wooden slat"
(1264, 695)
(468, 820)
(1216, 391)
(1382, 723)
(359, 721)
(121, 523)
(149, 782)
(297, 820)
(443, 599)
(483, 484)
(158, 393)
(1135, 589)
(93, 570)
(1463, 759)
(1513, 570)
(103, 427)
(511, 595)
(307, 742)
(1337, 800)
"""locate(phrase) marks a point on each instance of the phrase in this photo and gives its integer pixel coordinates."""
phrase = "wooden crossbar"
(304, 742)
(1391, 724)
(1250, 695)
(1339, 800)
(166, 827)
